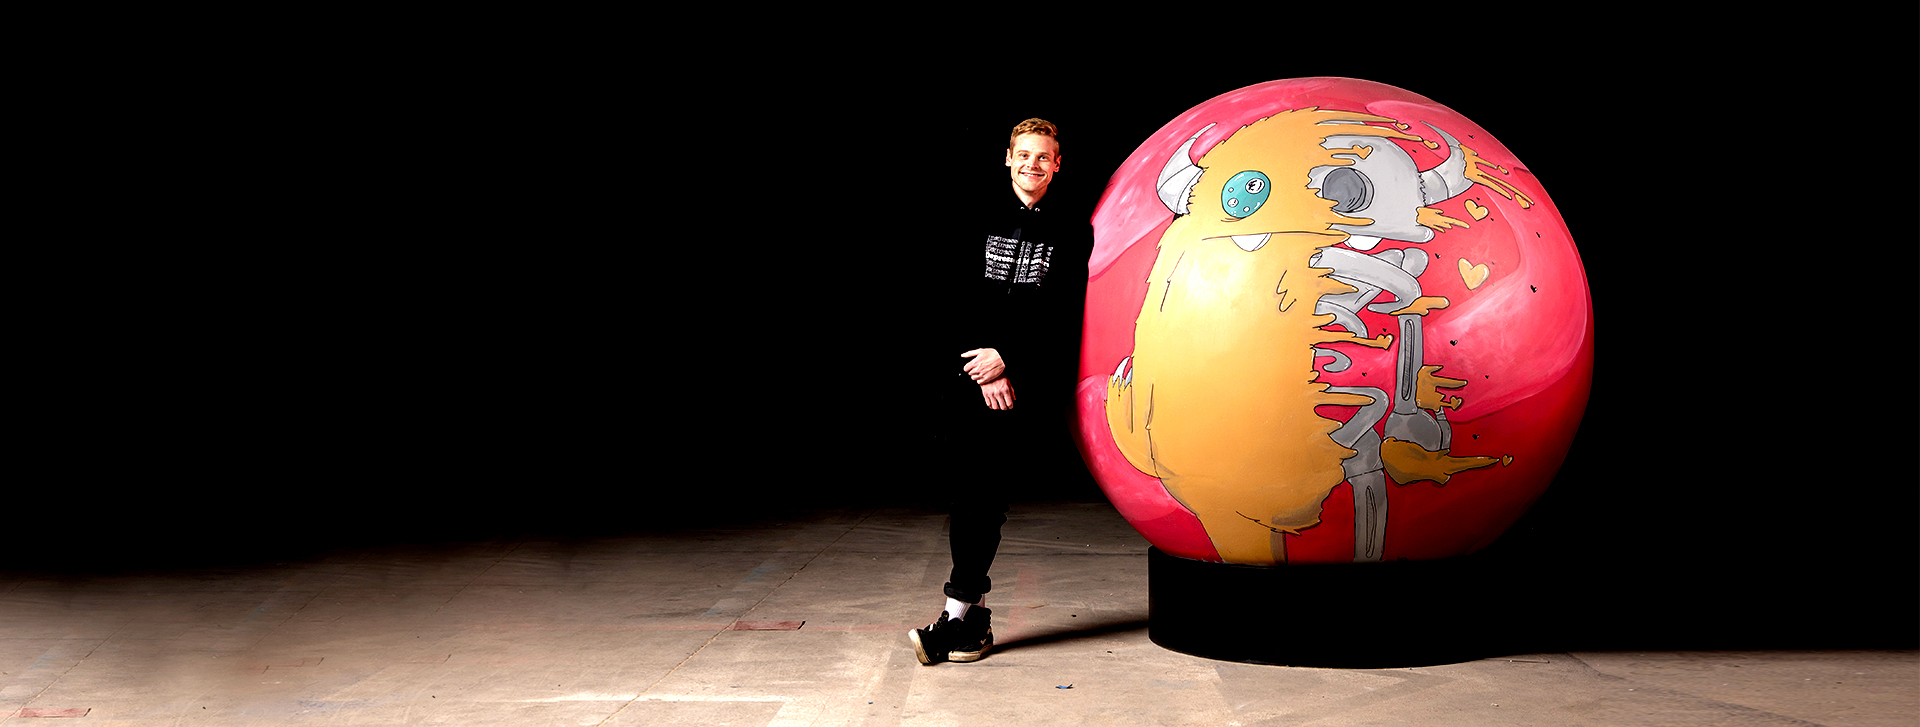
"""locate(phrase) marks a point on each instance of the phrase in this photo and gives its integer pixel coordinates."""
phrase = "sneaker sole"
(963, 657)
(920, 650)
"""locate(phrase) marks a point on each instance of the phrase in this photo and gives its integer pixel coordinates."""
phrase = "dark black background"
(586, 283)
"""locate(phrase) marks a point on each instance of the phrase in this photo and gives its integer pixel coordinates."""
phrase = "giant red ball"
(1329, 320)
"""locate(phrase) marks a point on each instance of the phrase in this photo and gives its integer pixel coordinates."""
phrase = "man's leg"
(976, 453)
(988, 452)
(974, 538)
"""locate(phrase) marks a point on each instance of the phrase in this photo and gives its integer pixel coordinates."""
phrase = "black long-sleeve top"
(1019, 285)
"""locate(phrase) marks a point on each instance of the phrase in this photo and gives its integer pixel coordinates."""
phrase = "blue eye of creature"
(1244, 193)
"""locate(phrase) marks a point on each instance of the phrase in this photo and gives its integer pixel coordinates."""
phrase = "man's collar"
(1015, 197)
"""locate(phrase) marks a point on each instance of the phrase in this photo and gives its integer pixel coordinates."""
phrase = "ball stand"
(1367, 615)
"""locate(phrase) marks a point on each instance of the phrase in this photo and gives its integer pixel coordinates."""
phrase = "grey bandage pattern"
(1394, 272)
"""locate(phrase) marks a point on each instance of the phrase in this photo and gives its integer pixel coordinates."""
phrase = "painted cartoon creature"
(1266, 269)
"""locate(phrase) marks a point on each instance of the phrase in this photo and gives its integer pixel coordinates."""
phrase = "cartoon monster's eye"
(1349, 189)
(1244, 194)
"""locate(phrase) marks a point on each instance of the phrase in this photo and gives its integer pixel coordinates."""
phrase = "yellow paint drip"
(1425, 394)
(1436, 220)
(1383, 341)
(1408, 463)
(1421, 306)
(1498, 185)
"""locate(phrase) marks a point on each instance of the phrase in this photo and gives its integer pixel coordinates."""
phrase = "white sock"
(957, 610)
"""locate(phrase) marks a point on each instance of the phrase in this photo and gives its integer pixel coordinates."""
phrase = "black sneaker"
(958, 641)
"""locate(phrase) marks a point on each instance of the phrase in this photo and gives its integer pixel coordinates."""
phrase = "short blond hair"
(1034, 126)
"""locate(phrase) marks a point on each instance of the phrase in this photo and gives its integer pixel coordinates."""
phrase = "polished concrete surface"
(691, 623)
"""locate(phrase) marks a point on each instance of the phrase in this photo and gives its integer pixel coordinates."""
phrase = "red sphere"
(1329, 320)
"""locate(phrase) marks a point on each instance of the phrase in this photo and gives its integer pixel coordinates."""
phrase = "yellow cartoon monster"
(1265, 270)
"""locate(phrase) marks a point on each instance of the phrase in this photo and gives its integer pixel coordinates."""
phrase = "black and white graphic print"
(1017, 261)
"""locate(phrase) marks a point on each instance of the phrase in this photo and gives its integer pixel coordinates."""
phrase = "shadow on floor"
(1051, 637)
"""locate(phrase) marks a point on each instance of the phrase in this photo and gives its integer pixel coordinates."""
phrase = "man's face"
(1033, 160)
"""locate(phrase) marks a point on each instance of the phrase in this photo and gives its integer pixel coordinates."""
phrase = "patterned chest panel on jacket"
(1015, 261)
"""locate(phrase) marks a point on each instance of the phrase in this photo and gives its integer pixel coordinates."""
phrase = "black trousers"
(991, 456)
(975, 539)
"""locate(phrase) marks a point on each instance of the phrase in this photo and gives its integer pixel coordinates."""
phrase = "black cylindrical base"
(1364, 615)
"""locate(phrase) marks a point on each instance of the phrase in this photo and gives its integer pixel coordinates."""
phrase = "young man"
(1017, 293)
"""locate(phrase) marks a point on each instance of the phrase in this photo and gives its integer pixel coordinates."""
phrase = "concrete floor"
(640, 629)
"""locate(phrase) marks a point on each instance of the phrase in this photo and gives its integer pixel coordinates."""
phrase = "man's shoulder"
(1069, 220)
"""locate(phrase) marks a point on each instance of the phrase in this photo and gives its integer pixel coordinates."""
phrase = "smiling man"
(1018, 291)
(1034, 156)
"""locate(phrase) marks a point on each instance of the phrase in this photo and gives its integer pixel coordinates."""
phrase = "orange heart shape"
(1478, 212)
(1473, 275)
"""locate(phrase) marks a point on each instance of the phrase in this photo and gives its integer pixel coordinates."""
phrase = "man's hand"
(998, 393)
(985, 366)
